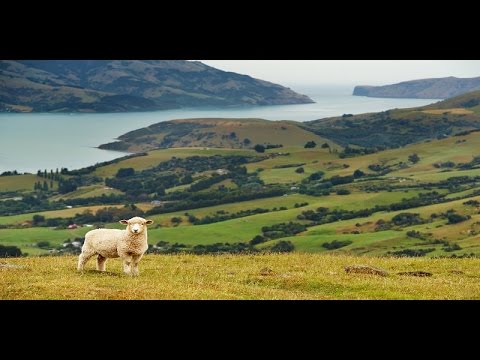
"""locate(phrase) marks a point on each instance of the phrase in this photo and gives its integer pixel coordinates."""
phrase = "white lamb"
(129, 244)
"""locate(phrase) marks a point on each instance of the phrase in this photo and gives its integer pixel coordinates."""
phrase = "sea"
(38, 141)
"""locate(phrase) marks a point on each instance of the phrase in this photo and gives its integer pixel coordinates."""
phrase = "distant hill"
(117, 86)
(399, 127)
(219, 133)
(440, 88)
(388, 129)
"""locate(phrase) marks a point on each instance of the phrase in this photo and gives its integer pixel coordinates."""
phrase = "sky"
(351, 72)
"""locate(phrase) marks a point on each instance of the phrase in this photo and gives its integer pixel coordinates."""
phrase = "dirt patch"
(365, 269)
(415, 273)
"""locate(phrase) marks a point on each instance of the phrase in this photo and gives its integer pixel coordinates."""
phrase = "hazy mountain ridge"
(437, 88)
(113, 86)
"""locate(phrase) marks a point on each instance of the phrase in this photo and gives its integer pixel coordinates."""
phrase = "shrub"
(336, 244)
(43, 244)
(300, 170)
(125, 172)
(10, 251)
(407, 219)
(283, 246)
(456, 218)
(310, 145)
(358, 174)
(257, 240)
(343, 192)
(259, 148)
(414, 158)
(410, 252)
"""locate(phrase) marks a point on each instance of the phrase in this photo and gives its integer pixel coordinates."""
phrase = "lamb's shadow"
(103, 273)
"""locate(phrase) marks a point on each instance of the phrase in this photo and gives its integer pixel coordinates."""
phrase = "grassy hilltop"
(274, 276)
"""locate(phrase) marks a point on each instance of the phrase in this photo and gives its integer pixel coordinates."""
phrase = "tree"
(325, 146)
(45, 186)
(414, 158)
(176, 220)
(343, 192)
(310, 145)
(125, 172)
(257, 240)
(358, 174)
(10, 251)
(283, 246)
(300, 170)
(37, 219)
(247, 141)
(259, 148)
(67, 186)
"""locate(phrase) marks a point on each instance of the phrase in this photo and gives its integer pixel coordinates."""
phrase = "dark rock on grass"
(365, 269)
(267, 272)
(458, 272)
(415, 273)
(11, 266)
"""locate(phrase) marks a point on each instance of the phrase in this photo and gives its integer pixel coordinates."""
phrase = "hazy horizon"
(347, 72)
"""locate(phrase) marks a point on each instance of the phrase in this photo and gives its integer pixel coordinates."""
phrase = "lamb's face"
(136, 225)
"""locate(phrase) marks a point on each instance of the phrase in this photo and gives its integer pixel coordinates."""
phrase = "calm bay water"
(29, 142)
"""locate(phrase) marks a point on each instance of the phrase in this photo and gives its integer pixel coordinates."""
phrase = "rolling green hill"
(446, 167)
(117, 86)
(208, 190)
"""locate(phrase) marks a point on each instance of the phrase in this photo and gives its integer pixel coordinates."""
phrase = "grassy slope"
(21, 182)
(216, 133)
(292, 276)
(155, 157)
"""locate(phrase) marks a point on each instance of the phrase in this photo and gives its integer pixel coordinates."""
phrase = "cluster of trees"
(350, 151)
(282, 230)
(410, 252)
(105, 215)
(187, 201)
(164, 247)
(9, 173)
(28, 203)
(51, 175)
(223, 216)
(179, 171)
(474, 164)
(10, 251)
(446, 164)
(336, 244)
(39, 187)
(259, 148)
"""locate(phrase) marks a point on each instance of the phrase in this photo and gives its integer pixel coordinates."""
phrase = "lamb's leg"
(101, 263)
(83, 258)
(135, 261)
(127, 261)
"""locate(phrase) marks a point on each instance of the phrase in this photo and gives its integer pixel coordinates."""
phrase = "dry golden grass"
(457, 111)
(273, 276)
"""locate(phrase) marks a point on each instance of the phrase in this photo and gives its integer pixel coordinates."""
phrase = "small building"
(222, 172)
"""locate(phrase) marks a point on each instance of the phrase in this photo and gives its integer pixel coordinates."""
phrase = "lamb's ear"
(149, 222)
(124, 222)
